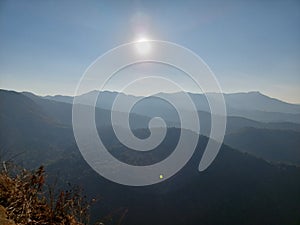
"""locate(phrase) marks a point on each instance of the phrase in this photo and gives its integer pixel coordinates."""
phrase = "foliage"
(23, 195)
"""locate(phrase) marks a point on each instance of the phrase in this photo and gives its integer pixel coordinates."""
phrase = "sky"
(46, 46)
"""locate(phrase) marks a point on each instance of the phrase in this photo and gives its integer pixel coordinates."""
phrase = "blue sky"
(45, 46)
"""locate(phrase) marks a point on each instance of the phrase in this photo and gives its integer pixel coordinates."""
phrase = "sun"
(142, 39)
(143, 46)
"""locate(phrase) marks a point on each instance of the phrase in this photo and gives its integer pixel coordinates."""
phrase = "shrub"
(24, 196)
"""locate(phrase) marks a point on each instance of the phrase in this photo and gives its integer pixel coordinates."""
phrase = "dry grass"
(23, 196)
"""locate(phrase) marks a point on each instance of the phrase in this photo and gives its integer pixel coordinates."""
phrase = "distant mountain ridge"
(54, 114)
(253, 100)
(62, 112)
(260, 102)
(251, 105)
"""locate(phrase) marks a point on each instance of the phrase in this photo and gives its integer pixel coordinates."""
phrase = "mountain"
(256, 101)
(61, 114)
(235, 123)
(59, 110)
(28, 131)
(265, 116)
(251, 105)
(273, 145)
(58, 98)
(238, 188)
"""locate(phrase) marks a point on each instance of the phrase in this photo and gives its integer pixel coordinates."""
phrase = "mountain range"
(254, 179)
(59, 107)
(251, 105)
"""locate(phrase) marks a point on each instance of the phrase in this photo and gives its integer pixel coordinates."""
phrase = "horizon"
(129, 94)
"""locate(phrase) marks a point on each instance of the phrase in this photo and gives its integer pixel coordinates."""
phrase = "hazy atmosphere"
(149, 112)
(250, 46)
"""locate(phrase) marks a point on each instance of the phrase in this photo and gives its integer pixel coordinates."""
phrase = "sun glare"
(142, 39)
(143, 46)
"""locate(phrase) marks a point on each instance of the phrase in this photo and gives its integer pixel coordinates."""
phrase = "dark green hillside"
(273, 145)
(28, 131)
(236, 189)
